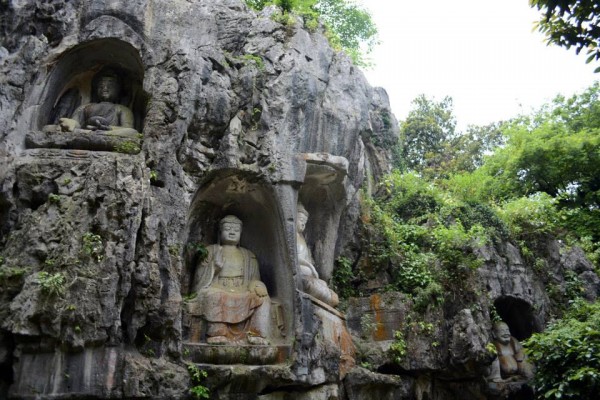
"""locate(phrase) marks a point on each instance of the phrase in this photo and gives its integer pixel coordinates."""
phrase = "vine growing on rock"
(398, 349)
(92, 246)
(197, 375)
(343, 278)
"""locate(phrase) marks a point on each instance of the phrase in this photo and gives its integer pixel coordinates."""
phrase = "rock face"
(448, 348)
(102, 234)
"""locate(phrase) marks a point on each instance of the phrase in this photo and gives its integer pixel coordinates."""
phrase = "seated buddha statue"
(231, 298)
(106, 115)
(310, 278)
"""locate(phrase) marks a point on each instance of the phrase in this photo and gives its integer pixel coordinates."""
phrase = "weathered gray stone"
(239, 114)
(364, 384)
(221, 95)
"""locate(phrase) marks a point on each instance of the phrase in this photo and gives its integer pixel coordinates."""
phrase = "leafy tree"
(578, 111)
(571, 23)
(430, 144)
(464, 151)
(567, 355)
(554, 151)
(549, 159)
(474, 144)
(424, 237)
(257, 4)
(425, 131)
(348, 26)
(352, 27)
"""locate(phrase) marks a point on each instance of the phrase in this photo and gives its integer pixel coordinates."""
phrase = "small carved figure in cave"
(511, 363)
(231, 298)
(310, 278)
(106, 115)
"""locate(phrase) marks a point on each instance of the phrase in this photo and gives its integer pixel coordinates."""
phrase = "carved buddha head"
(230, 228)
(108, 87)
(301, 218)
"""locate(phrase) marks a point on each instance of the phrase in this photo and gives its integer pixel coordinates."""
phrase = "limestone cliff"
(96, 230)
(235, 113)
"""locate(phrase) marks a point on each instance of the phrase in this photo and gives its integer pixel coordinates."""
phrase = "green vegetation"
(191, 296)
(54, 198)
(51, 284)
(491, 348)
(199, 249)
(175, 249)
(342, 278)
(256, 114)
(197, 376)
(92, 246)
(257, 60)
(436, 120)
(398, 348)
(525, 181)
(567, 354)
(570, 23)
(348, 27)
(127, 147)
(9, 274)
(529, 177)
(424, 237)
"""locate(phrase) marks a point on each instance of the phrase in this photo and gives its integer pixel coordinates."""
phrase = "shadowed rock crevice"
(519, 315)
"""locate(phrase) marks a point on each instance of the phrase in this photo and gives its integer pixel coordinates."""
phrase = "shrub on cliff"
(567, 354)
(348, 27)
(424, 238)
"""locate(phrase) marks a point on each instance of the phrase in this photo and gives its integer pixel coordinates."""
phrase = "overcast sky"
(485, 54)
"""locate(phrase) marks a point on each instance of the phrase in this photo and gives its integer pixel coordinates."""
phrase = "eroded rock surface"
(100, 236)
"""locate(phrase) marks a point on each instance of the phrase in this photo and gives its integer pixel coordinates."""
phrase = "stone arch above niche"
(72, 84)
(518, 315)
(324, 195)
(259, 206)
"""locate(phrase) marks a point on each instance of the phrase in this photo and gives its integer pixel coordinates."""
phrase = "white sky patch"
(485, 54)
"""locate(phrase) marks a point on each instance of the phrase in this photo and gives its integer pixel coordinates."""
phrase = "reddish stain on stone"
(348, 357)
(380, 332)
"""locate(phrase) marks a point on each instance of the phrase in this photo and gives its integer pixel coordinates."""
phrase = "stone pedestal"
(235, 354)
(515, 389)
(125, 141)
(333, 332)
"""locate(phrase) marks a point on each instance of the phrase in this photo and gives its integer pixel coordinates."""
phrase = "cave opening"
(518, 315)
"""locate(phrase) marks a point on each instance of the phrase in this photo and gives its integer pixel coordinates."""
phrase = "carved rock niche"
(324, 196)
(257, 205)
(518, 315)
(324, 193)
(73, 82)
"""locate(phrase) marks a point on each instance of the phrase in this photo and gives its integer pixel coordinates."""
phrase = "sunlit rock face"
(110, 195)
